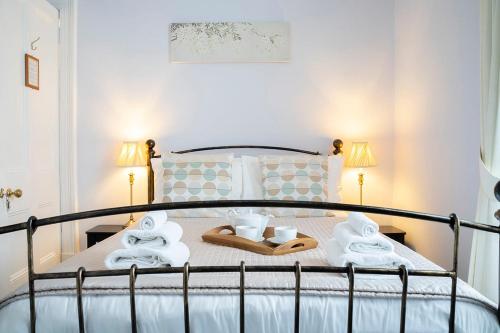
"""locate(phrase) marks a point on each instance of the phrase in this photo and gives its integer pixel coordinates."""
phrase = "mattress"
(269, 301)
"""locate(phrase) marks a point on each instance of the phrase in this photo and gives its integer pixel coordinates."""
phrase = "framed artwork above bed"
(217, 42)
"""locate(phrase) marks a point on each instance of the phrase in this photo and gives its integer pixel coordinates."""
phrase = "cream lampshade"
(361, 157)
(132, 154)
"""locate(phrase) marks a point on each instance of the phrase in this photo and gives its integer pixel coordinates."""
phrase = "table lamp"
(132, 154)
(361, 157)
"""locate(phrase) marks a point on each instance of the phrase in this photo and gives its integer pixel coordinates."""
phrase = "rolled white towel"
(362, 224)
(153, 220)
(163, 235)
(351, 241)
(337, 257)
(175, 255)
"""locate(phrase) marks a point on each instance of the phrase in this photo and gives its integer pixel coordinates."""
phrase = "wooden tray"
(225, 235)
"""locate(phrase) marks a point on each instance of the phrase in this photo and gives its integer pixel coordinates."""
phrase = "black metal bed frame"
(453, 221)
(33, 223)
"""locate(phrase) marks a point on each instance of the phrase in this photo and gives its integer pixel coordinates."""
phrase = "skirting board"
(21, 276)
(67, 255)
(48, 259)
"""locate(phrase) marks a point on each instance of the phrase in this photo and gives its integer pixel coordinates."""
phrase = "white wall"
(339, 83)
(437, 120)
(402, 74)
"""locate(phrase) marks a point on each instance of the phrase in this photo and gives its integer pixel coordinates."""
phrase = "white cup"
(247, 232)
(248, 219)
(285, 233)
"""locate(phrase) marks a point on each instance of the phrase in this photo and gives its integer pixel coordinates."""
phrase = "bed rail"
(453, 221)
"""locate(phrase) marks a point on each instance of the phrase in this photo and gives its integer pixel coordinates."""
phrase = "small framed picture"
(31, 72)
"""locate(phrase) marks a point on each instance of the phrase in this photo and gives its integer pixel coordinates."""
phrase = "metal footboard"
(453, 221)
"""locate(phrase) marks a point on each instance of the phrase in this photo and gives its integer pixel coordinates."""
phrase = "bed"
(225, 289)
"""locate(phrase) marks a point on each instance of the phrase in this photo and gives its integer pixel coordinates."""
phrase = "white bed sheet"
(323, 303)
(264, 313)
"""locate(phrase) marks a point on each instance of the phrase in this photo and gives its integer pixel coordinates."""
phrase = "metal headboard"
(337, 145)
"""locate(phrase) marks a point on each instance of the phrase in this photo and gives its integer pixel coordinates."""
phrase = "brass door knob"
(16, 193)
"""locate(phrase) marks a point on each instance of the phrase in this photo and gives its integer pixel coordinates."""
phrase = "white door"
(29, 136)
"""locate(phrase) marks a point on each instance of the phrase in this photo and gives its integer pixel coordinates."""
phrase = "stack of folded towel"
(357, 241)
(156, 243)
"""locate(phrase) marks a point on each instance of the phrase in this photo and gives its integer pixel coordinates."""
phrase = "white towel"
(337, 257)
(362, 224)
(350, 241)
(163, 235)
(153, 220)
(174, 255)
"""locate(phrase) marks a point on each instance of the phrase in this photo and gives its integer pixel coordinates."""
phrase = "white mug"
(247, 232)
(251, 220)
(248, 218)
(285, 233)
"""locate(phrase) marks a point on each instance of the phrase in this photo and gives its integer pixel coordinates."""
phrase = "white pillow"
(196, 177)
(253, 183)
(335, 165)
(237, 179)
(295, 177)
(156, 166)
(252, 178)
(247, 178)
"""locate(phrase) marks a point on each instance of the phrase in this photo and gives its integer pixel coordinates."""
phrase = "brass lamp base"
(361, 181)
(131, 179)
(130, 221)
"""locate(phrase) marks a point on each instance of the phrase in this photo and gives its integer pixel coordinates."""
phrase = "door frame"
(70, 243)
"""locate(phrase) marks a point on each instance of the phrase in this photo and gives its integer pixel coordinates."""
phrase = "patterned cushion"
(191, 177)
(300, 178)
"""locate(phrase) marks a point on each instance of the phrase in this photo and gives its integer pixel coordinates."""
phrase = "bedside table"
(394, 233)
(101, 232)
